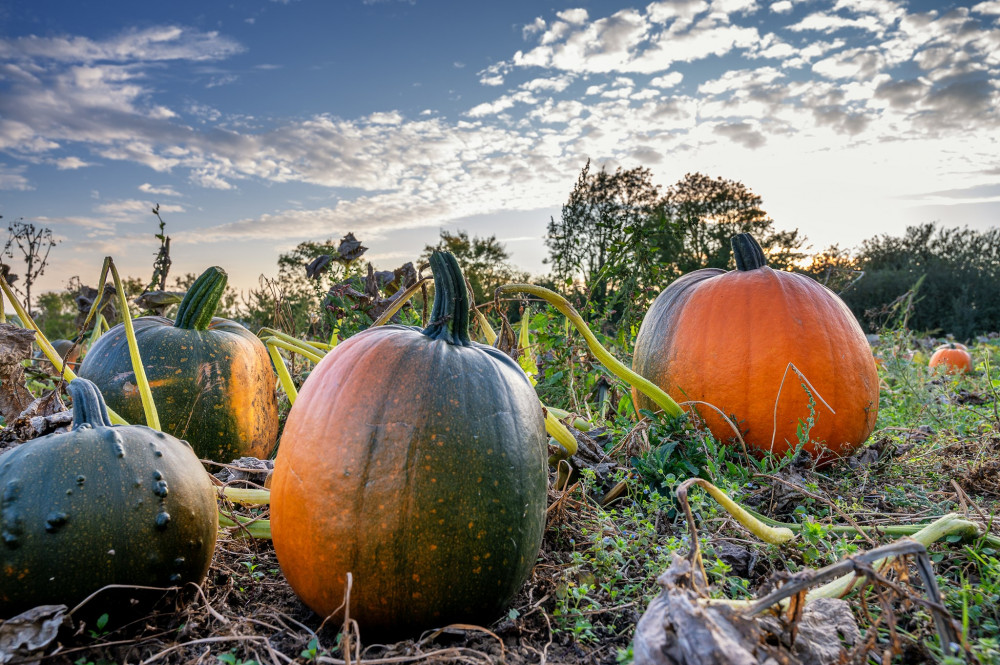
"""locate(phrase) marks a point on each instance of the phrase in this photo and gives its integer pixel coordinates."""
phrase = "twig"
(205, 640)
(831, 504)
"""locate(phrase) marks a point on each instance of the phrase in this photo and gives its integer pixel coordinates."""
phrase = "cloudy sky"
(261, 123)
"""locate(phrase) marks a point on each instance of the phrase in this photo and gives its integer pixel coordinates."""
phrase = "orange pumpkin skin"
(954, 356)
(419, 466)
(727, 338)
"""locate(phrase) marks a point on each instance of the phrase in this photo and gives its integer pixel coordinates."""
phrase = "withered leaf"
(15, 347)
(157, 299)
(30, 631)
(350, 249)
(318, 265)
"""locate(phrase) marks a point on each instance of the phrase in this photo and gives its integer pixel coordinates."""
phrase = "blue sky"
(258, 124)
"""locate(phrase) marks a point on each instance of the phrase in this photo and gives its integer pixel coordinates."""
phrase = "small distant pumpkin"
(955, 358)
(68, 350)
(731, 338)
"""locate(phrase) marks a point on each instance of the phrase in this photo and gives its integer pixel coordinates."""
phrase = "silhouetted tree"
(34, 244)
(702, 214)
(961, 270)
(604, 237)
(485, 262)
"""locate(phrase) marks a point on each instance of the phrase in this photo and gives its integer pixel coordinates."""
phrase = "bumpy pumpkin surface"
(954, 357)
(416, 461)
(211, 378)
(729, 338)
(101, 505)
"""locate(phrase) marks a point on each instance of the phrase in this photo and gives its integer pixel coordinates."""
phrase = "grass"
(935, 449)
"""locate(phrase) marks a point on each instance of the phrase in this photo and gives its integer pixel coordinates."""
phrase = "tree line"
(618, 241)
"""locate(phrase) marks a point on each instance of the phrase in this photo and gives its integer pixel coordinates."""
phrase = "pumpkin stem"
(747, 252)
(201, 300)
(450, 314)
(88, 404)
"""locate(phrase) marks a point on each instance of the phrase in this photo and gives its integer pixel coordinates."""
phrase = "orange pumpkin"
(735, 340)
(954, 356)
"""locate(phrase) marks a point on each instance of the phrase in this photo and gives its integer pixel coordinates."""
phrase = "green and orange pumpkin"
(415, 460)
(211, 378)
(734, 340)
(101, 504)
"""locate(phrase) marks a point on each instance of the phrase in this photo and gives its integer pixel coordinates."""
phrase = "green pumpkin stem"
(201, 300)
(88, 404)
(450, 314)
(747, 252)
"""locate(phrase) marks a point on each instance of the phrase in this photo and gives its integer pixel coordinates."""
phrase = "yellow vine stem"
(648, 388)
(279, 366)
(769, 534)
(940, 528)
(247, 496)
(98, 330)
(145, 394)
(97, 305)
(577, 422)
(400, 300)
(557, 430)
(488, 332)
(255, 528)
(295, 345)
(944, 526)
(524, 337)
(46, 347)
(312, 351)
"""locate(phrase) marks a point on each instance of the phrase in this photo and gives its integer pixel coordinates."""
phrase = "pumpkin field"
(418, 475)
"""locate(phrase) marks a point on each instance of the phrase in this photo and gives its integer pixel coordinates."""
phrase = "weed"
(230, 658)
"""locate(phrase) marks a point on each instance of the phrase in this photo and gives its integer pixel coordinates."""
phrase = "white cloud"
(991, 7)
(12, 178)
(823, 22)
(533, 28)
(553, 84)
(667, 80)
(726, 7)
(682, 11)
(71, 163)
(781, 6)
(132, 209)
(857, 63)
(574, 16)
(494, 74)
(162, 190)
(385, 118)
(148, 45)
(606, 87)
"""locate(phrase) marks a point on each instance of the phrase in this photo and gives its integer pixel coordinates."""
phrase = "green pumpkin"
(99, 505)
(416, 461)
(211, 378)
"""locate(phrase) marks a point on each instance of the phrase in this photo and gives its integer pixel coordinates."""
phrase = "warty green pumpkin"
(415, 460)
(98, 505)
(211, 378)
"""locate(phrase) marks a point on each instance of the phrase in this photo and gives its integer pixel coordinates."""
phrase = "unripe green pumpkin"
(98, 505)
(415, 460)
(212, 379)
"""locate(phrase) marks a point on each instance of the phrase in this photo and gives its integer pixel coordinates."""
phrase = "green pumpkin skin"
(211, 378)
(416, 461)
(101, 505)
